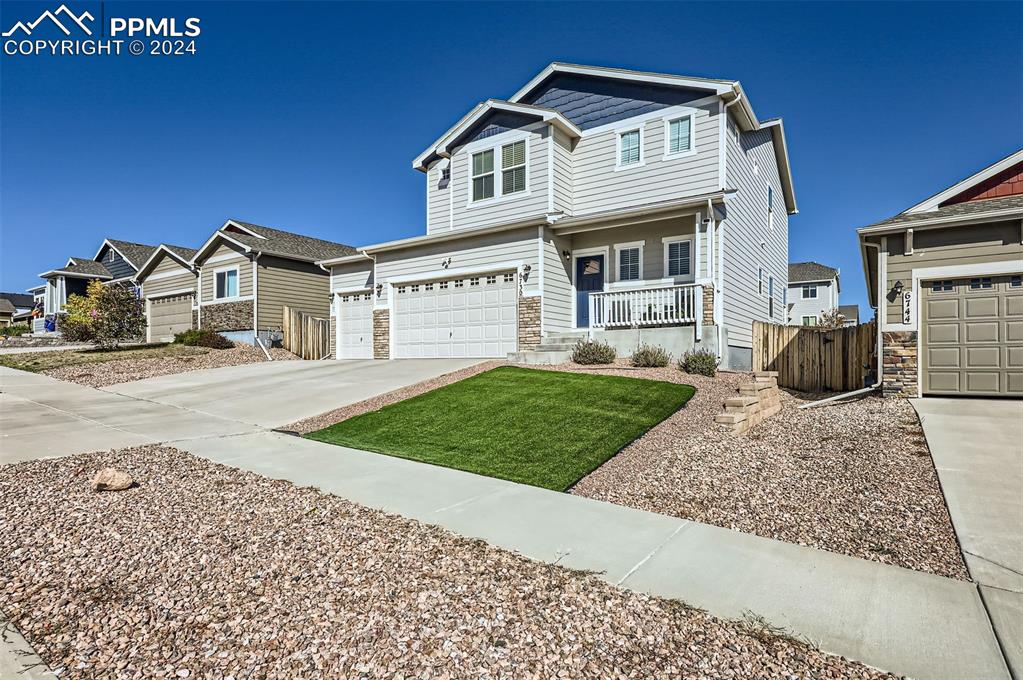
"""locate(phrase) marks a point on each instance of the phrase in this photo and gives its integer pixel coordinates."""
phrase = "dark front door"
(589, 278)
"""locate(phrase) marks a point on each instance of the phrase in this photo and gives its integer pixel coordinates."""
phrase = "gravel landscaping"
(854, 478)
(117, 371)
(205, 571)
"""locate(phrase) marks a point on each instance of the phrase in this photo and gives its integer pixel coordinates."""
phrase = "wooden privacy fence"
(810, 359)
(305, 335)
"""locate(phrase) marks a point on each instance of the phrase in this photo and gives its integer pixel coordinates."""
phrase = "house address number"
(907, 308)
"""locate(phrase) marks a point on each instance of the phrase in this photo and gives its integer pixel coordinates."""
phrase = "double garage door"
(169, 316)
(473, 316)
(971, 340)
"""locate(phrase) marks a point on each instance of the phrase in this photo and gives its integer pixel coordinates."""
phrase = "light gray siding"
(472, 252)
(438, 199)
(751, 169)
(531, 203)
(352, 276)
(557, 283)
(598, 186)
(233, 257)
(299, 285)
(826, 300)
(167, 277)
(651, 234)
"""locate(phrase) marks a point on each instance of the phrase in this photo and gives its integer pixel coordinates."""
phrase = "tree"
(106, 315)
(831, 319)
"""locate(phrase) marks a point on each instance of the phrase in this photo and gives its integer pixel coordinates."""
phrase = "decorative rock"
(109, 479)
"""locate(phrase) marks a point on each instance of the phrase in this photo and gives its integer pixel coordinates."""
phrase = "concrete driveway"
(977, 447)
(281, 392)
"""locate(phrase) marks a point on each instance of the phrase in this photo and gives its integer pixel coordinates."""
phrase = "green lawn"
(543, 428)
(44, 361)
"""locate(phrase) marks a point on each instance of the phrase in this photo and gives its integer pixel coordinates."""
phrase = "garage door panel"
(972, 338)
(169, 316)
(355, 326)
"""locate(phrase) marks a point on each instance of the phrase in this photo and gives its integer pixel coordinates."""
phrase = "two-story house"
(812, 292)
(630, 206)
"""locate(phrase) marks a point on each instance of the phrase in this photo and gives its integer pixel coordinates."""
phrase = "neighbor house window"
(677, 258)
(810, 320)
(483, 175)
(629, 263)
(680, 135)
(513, 167)
(630, 148)
(809, 291)
(226, 284)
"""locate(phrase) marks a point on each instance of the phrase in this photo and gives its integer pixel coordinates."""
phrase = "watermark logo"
(69, 16)
(165, 36)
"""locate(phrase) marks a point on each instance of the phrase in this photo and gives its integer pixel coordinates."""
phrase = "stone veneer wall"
(900, 364)
(529, 322)
(708, 305)
(228, 316)
(381, 334)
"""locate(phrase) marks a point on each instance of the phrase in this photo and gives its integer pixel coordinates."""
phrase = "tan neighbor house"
(168, 282)
(946, 278)
(248, 273)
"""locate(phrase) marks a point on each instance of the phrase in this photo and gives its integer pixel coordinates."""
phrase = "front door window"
(589, 278)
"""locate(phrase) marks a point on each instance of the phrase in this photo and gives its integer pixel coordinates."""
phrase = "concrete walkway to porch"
(903, 621)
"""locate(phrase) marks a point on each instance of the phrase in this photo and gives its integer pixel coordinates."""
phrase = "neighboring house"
(946, 278)
(116, 262)
(15, 308)
(813, 290)
(247, 273)
(624, 204)
(168, 282)
(850, 314)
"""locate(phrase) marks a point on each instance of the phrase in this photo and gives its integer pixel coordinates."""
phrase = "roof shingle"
(954, 210)
(810, 271)
(135, 253)
(288, 244)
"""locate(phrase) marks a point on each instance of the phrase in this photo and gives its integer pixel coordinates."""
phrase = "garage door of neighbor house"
(971, 341)
(168, 316)
(474, 316)
(355, 326)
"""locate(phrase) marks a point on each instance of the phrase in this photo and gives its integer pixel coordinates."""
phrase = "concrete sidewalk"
(977, 447)
(904, 621)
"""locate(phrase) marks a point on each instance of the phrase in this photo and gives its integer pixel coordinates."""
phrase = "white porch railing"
(665, 306)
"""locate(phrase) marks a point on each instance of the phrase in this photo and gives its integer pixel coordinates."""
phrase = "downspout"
(880, 345)
(255, 294)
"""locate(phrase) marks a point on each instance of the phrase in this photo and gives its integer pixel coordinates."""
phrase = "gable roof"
(990, 210)
(134, 253)
(269, 241)
(80, 267)
(934, 202)
(811, 271)
(6, 307)
(180, 254)
(442, 146)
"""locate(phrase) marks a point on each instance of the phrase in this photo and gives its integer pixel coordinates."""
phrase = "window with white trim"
(810, 320)
(677, 256)
(770, 296)
(809, 291)
(630, 148)
(679, 135)
(483, 175)
(628, 264)
(513, 167)
(226, 284)
(760, 280)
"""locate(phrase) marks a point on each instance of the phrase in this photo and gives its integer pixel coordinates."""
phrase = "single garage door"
(464, 317)
(169, 316)
(355, 326)
(972, 336)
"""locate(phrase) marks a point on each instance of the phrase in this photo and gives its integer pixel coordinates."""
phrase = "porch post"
(699, 312)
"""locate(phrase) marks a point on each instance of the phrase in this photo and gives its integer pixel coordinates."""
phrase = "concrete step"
(572, 336)
(536, 357)
(547, 346)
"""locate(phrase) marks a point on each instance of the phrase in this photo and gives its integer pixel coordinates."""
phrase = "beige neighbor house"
(247, 273)
(946, 278)
(630, 206)
(168, 282)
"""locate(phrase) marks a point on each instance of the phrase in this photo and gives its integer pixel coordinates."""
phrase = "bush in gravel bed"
(700, 362)
(15, 330)
(592, 352)
(650, 356)
(203, 338)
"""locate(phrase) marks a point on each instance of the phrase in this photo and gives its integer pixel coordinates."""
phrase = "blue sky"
(307, 116)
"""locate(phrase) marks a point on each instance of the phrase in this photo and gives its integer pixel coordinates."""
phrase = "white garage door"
(169, 316)
(465, 317)
(355, 326)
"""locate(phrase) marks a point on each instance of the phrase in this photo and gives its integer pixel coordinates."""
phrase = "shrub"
(203, 338)
(105, 315)
(592, 352)
(650, 356)
(700, 362)
(15, 330)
